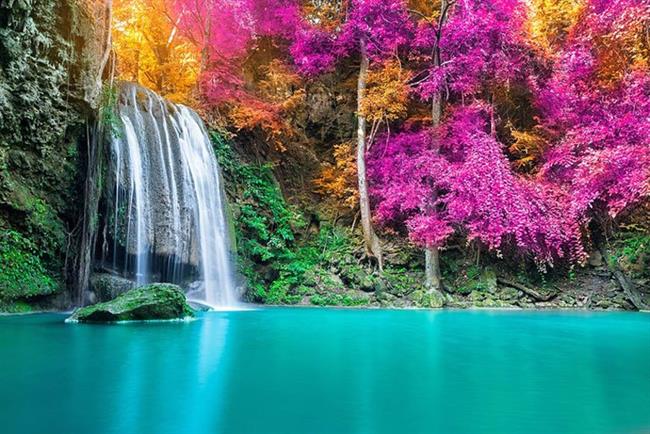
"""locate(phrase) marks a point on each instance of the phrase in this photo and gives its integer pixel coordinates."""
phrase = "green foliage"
(266, 229)
(632, 252)
(281, 267)
(469, 281)
(21, 273)
(108, 110)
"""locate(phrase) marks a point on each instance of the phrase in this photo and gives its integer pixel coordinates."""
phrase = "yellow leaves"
(339, 180)
(280, 83)
(427, 9)
(280, 96)
(150, 50)
(528, 147)
(387, 93)
(256, 114)
(549, 21)
(626, 47)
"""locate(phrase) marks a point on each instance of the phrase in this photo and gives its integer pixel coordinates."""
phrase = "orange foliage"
(327, 14)
(280, 97)
(339, 180)
(528, 147)
(387, 93)
(549, 21)
(626, 47)
(150, 50)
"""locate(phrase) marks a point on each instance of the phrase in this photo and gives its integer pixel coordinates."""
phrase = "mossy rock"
(150, 302)
(432, 299)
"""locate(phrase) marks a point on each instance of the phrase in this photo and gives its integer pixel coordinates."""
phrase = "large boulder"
(108, 286)
(150, 302)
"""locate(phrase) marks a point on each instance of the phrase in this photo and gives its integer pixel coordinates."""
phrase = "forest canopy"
(523, 126)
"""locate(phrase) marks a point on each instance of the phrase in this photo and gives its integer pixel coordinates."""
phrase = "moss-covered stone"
(428, 299)
(150, 302)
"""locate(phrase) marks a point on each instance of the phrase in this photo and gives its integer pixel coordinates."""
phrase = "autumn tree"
(374, 31)
(463, 53)
(150, 50)
(597, 104)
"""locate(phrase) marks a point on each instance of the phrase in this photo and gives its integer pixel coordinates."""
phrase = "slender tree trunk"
(373, 246)
(493, 120)
(433, 277)
(432, 268)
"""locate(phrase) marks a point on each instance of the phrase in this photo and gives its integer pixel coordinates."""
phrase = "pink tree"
(597, 106)
(474, 47)
(597, 103)
(462, 181)
(374, 30)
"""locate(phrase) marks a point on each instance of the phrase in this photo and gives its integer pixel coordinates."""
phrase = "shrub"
(21, 273)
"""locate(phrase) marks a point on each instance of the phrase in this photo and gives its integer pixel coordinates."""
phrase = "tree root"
(526, 290)
(628, 288)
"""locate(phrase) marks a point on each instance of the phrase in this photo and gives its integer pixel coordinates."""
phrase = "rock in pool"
(151, 302)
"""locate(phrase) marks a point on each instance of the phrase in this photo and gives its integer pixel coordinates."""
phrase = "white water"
(169, 199)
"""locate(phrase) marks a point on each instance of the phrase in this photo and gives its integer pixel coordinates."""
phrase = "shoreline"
(256, 307)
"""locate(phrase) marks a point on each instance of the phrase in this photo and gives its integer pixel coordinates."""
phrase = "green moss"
(334, 299)
(17, 306)
(432, 300)
(21, 273)
(150, 302)
(266, 228)
(401, 282)
(631, 251)
(108, 110)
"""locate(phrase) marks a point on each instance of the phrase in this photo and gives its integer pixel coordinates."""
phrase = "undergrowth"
(22, 274)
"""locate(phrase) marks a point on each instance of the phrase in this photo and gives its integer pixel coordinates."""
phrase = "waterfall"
(167, 199)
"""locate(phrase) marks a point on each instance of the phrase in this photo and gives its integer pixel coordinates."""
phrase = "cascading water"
(166, 199)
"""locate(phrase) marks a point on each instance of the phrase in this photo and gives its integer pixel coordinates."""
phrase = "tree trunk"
(432, 273)
(373, 246)
(432, 269)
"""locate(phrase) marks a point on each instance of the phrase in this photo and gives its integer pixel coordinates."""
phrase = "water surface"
(329, 371)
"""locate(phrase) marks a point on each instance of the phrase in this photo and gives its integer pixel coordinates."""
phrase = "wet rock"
(509, 294)
(596, 259)
(476, 296)
(150, 302)
(108, 286)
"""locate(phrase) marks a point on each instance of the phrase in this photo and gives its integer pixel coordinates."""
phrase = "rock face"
(50, 62)
(108, 286)
(150, 302)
